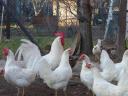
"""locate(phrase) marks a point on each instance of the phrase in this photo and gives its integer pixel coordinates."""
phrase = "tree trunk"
(122, 24)
(85, 14)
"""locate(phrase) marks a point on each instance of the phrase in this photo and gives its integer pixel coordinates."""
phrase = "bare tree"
(85, 16)
(122, 24)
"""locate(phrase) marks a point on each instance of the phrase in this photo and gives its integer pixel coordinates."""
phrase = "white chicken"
(112, 71)
(15, 74)
(97, 50)
(107, 66)
(59, 78)
(27, 49)
(102, 87)
(120, 66)
(86, 74)
(105, 60)
(53, 58)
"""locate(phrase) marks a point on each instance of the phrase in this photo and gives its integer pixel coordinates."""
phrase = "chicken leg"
(55, 92)
(64, 90)
(92, 93)
(65, 93)
(18, 92)
(23, 92)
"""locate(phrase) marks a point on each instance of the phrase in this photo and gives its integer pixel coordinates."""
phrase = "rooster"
(57, 79)
(28, 49)
(54, 56)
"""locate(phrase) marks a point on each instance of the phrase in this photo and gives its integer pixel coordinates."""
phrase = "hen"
(97, 50)
(86, 74)
(15, 74)
(112, 71)
(108, 73)
(120, 66)
(107, 88)
(57, 79)
(107, 66)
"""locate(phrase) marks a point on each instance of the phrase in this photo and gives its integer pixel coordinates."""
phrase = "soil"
(38, 88)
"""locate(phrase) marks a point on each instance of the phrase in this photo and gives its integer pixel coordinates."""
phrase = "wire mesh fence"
(42, 24)
(42, 18)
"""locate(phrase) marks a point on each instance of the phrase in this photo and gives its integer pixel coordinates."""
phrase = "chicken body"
(86, 74)
(110, 70)
(57, 79)
(17, 75)
(53, 58)
(101, 87)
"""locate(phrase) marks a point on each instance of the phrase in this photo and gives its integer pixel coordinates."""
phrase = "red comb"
(82, 53)
(5, 49)
(59, 34)
(82, 56)
(88, 65)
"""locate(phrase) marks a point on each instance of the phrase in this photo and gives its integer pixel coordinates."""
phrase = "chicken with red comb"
(86, 74)
(53, 58)
(17, 75)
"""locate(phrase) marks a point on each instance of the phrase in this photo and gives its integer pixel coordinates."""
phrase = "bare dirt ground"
(40, 89)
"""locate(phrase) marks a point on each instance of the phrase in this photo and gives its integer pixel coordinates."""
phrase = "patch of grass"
(14, 43)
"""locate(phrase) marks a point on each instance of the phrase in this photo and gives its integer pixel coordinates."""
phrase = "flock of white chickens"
(55, 70)
(98, 78)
